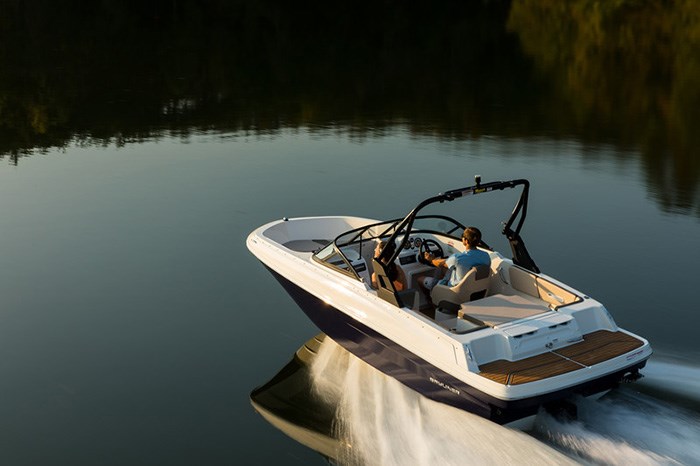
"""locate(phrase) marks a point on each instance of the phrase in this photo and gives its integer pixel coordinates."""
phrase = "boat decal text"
(444, 385)
(635, 354)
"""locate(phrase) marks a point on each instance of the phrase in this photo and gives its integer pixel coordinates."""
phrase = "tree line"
(623, 72)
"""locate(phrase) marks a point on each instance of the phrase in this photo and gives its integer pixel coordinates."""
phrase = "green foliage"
(629, 68)
(624, 72)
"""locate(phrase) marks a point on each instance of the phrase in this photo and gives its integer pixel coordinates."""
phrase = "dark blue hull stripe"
(396, 361)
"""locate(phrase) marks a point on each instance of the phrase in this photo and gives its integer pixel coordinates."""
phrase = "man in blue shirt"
(460, 263)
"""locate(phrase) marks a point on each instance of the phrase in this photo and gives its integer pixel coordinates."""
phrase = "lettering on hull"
(444, 385)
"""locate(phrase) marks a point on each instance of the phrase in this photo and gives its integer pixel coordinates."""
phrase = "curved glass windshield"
(351, 252)
(438, 224)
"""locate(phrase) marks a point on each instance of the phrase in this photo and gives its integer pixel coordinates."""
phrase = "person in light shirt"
(460, 263)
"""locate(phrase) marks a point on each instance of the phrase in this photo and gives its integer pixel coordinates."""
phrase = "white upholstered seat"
(474, 285)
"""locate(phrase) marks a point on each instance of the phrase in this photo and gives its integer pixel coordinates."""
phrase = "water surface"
(141, 144)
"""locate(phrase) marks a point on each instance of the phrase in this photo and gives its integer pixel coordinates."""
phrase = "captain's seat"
(474, 285)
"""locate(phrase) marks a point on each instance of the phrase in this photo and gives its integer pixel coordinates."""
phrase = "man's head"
(381, 244)
(471, 237)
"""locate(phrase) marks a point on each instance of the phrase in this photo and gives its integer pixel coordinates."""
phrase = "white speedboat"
(504, 342)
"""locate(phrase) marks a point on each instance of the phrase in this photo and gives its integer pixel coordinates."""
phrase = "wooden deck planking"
(596, 347)
(542, 372)
(600, 346)
(501, 370)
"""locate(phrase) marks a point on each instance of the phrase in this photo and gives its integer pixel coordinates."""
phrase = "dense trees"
(624, 72)
(629, 72)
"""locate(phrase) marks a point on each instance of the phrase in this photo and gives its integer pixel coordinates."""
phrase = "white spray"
(634, 428)
(383, 422)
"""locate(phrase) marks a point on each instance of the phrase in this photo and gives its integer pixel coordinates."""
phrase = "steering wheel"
(427, 246)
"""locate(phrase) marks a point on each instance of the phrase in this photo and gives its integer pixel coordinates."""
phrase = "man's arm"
(435, 261)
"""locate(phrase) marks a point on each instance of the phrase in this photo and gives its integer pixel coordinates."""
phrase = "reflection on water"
(622, 73)
(290, 402)
(332, 402)
(628, 72)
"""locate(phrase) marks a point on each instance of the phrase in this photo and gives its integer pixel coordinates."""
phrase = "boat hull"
(396, 361)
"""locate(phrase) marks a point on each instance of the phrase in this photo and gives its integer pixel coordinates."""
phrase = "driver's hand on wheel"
(429, 257)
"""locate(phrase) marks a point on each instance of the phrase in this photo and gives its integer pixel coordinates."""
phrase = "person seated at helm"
(460, 263)
(395, 274)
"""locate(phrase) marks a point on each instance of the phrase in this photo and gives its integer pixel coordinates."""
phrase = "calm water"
(140, 146)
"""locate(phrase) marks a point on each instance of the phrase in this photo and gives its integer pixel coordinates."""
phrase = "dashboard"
(408, 259)
(409, 253)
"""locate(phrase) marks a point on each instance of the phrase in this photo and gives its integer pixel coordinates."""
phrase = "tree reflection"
(623, 72)
(629, 71)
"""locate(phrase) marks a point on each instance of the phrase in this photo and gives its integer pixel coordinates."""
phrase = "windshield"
(430, 223)
(350, 252)
(438, 224)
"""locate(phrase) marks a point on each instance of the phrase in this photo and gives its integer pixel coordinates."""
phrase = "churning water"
(380, 421)
(659, 426)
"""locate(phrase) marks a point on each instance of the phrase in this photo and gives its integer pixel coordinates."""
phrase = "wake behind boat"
(503, 342)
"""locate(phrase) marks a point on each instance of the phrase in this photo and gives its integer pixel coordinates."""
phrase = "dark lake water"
(140, 144)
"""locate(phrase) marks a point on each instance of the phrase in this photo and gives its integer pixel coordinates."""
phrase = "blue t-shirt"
(460, 263)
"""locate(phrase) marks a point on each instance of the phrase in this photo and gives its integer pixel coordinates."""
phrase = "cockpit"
(352, 253)
(459, 307)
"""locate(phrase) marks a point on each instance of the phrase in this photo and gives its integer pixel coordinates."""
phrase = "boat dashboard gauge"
(409, 244)
(417, 242)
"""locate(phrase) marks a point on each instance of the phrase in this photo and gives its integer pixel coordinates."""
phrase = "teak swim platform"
(596, 347)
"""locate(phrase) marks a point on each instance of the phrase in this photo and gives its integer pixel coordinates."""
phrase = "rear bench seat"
(537, 287)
